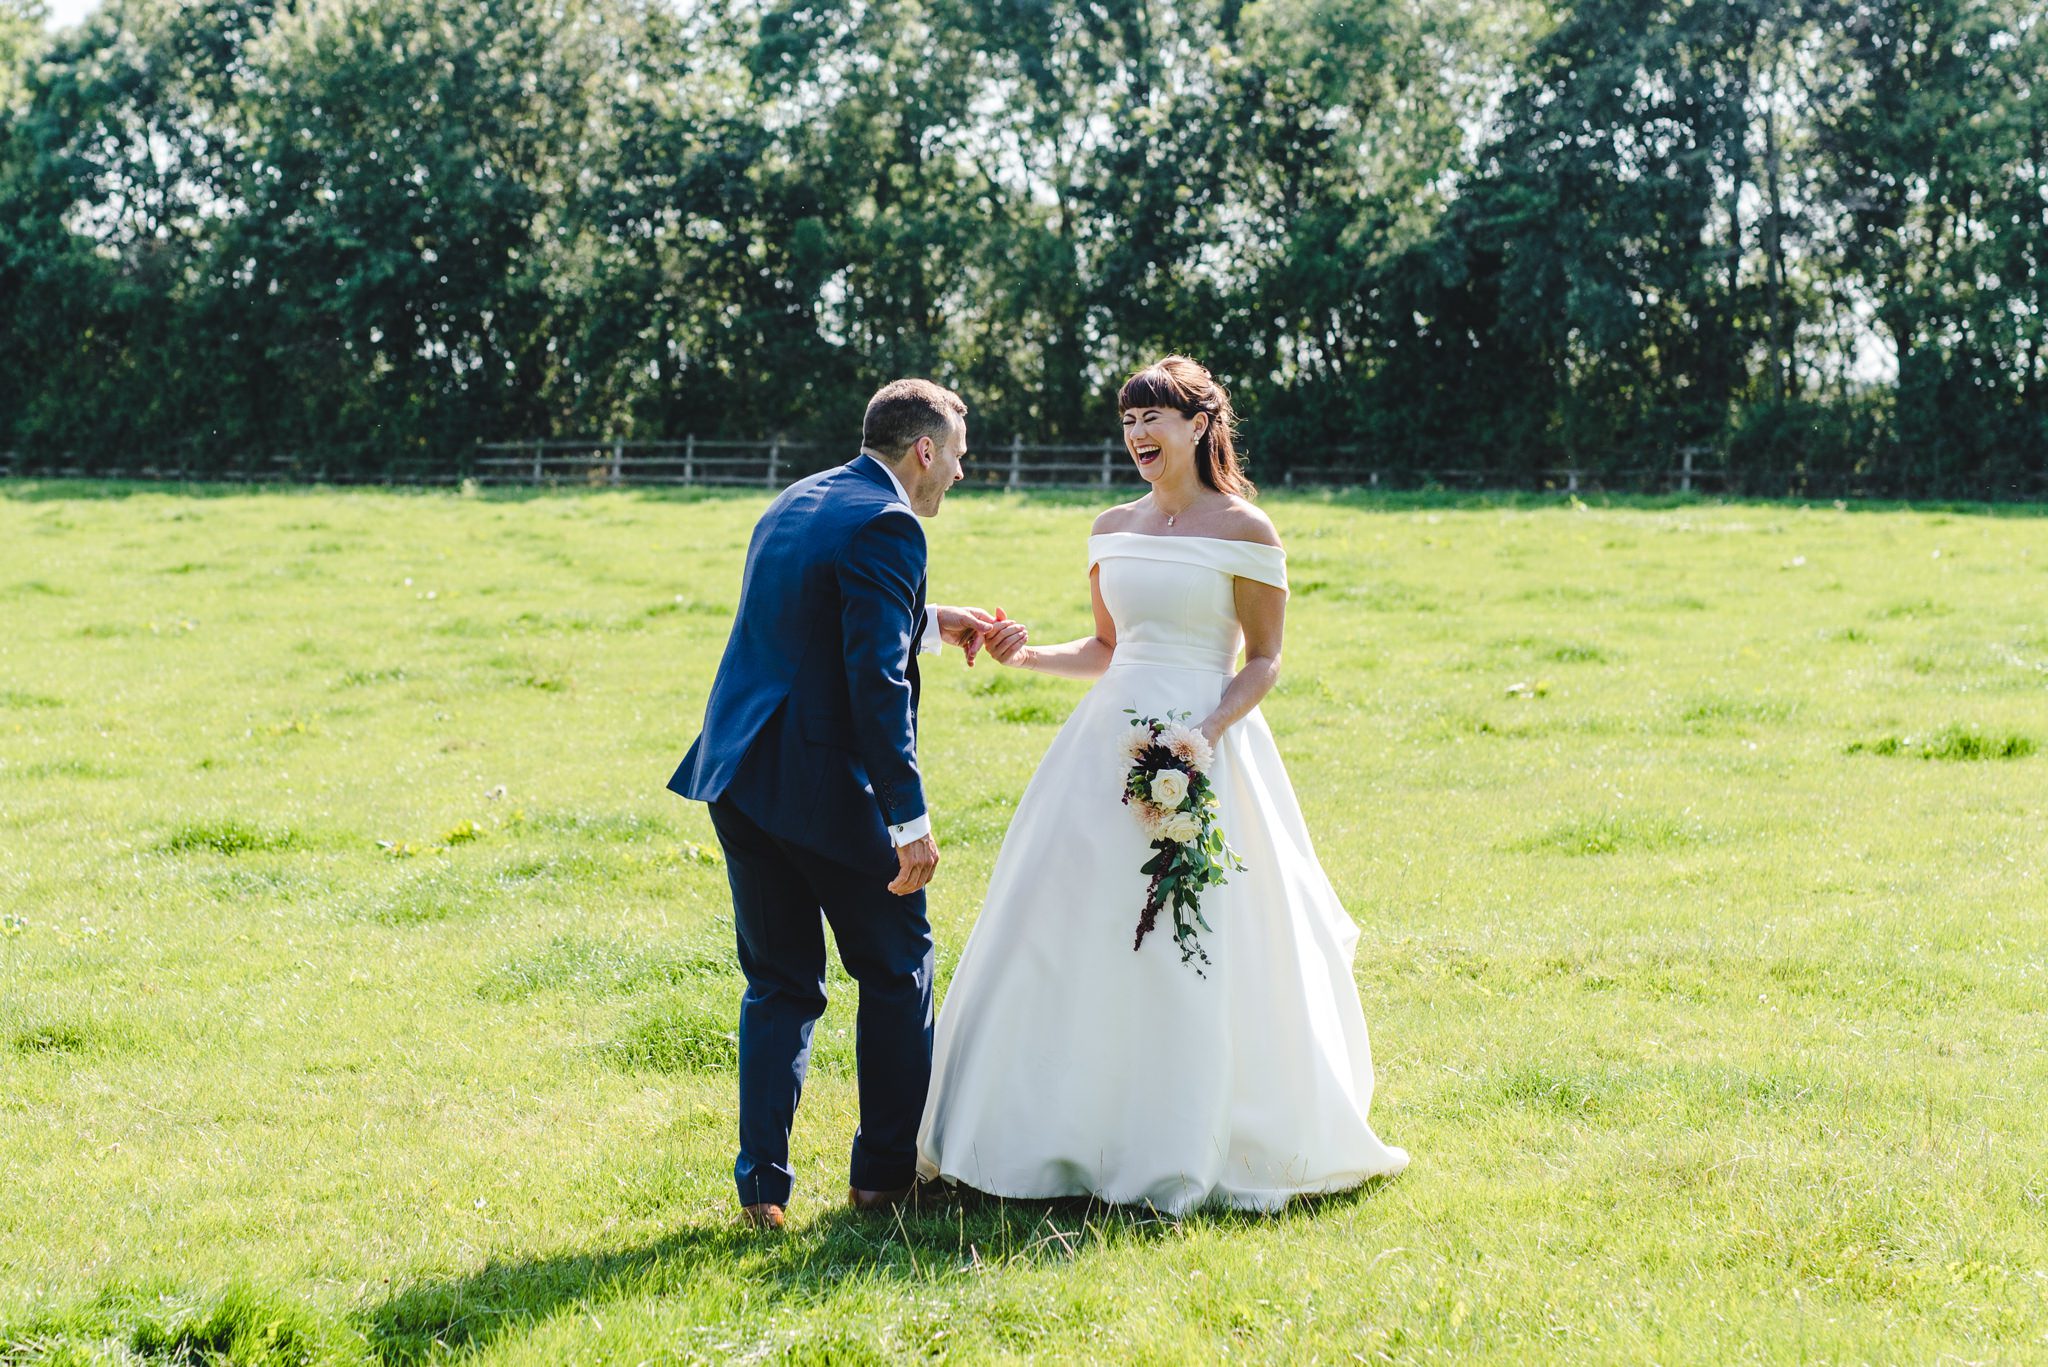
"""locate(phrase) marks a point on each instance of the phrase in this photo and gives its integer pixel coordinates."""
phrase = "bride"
(1068, 1064)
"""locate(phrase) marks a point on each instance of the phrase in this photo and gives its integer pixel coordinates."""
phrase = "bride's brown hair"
(1187, 387)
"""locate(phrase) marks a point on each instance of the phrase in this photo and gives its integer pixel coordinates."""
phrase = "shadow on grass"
(962, 1237)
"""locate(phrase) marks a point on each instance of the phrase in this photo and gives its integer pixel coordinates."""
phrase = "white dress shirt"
(928, 640)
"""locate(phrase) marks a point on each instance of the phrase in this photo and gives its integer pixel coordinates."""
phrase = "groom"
(809, 761)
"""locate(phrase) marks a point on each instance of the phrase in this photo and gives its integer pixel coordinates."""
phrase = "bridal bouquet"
(1168, 786)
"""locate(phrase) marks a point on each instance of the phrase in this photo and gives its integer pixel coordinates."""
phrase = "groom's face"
(945, 468)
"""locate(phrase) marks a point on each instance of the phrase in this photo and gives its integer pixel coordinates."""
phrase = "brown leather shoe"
(861, 1199)
(766, 1215)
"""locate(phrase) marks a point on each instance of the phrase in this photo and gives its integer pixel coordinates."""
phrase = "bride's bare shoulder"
(1245, 521)
(1116, 519)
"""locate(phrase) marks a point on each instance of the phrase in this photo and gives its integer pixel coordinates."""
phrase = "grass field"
(364, 998)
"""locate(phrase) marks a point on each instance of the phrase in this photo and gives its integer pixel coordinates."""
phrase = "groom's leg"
(782, 951)
(885, 942)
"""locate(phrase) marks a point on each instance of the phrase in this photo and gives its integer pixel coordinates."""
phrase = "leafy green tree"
(21, 40)
(1808, 234)
(112, 188)
(1932, 139)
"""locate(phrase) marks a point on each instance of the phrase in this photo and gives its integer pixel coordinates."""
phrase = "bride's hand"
(1212, 731)
(1008, 642)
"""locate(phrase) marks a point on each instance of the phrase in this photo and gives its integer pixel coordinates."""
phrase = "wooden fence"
(1017, 465)
(771, 464)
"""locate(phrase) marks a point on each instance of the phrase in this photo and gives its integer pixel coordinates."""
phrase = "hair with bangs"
(1187, 387)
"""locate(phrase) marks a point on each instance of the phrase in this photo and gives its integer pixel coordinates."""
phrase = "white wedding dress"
(1067, 1064)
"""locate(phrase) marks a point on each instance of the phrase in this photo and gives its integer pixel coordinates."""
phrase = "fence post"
(774, 458)
(1016, 460)
(618, 456)
(537, 457)
(690, 458)
(1571, 481)
(1685, 471)
(1108, 455)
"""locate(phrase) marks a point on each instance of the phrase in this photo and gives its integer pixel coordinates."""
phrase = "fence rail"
(1017, 465)
(770, 464)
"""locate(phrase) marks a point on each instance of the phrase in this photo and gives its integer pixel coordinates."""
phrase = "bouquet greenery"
(1168, 786)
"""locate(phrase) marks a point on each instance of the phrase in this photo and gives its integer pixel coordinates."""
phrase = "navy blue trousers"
(782, 898)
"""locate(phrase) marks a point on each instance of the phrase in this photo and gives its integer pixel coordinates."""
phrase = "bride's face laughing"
(1162, 439)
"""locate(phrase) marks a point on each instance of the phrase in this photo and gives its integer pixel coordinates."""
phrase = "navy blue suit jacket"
(811, 726)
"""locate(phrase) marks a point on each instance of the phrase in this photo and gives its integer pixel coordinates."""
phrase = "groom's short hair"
(904, 410)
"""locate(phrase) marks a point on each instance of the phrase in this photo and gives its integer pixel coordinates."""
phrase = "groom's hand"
(915, 863)
(964, 627)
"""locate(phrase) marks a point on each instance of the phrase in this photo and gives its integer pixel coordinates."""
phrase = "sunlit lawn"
(364, 996)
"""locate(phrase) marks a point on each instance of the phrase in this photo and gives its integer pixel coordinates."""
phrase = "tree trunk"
(1784, 384)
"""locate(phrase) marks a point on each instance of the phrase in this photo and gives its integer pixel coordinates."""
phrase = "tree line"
(1808, 236)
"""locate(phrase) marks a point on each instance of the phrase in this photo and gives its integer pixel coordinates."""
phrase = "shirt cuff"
(929, 641)
(917, 828)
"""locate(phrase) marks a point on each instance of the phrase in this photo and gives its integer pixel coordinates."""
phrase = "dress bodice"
(1173, 599)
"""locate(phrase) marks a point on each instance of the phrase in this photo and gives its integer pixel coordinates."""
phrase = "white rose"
(1170, 788)
(1181, 826)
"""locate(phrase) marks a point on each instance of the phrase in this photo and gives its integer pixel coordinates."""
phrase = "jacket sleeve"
(878, 577)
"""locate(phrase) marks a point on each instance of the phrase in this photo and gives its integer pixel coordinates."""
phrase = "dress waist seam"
(1156, 656)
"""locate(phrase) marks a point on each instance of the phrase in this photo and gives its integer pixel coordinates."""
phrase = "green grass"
(364, 998)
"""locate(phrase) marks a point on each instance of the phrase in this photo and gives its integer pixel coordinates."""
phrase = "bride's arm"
(1262, 612)
(1086, 658)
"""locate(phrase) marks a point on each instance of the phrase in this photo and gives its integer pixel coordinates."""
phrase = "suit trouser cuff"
(879, 1172)
(762, 1183)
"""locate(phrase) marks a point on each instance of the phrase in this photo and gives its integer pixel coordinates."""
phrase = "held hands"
(974, 630)
(1007, 641)
(915, 864)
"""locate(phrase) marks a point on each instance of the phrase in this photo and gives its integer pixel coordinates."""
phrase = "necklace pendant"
(1169, 519)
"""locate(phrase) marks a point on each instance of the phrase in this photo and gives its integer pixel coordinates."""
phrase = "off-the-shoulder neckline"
(1179, 536)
